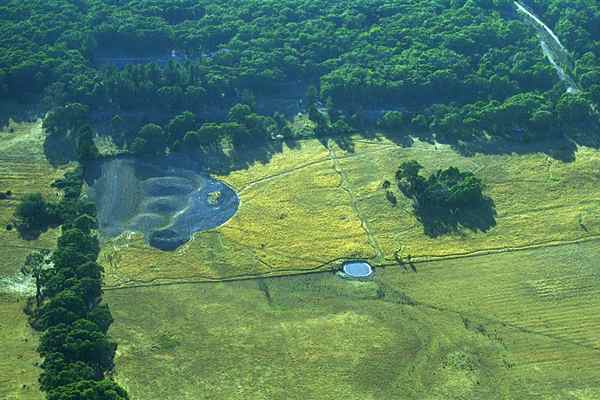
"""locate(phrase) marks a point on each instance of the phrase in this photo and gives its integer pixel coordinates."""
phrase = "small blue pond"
(357, 269)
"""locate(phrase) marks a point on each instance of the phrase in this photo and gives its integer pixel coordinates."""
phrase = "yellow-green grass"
(538, 304)
(302, 154)
(532, 312)
(517, 325)
(18, 364)
(543, 303)
(294, 216)
(318, 337)
(314, 204)
(23, 169)
(538, 199)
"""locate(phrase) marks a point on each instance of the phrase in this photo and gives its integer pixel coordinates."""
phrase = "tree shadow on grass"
(345, 143)
(58, 150)
(562, 144)
(18, 112)
(558, 148)
(30, 234)
(441, 221)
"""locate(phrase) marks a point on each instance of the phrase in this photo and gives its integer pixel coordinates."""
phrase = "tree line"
(76, 349)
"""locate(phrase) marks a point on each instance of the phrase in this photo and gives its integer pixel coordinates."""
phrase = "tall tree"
(36, 264)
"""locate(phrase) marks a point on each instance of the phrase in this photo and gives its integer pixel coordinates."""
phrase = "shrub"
(34, 215)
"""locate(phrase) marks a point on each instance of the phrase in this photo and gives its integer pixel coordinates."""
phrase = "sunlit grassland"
(23, 169)
(508, 325)
(543, 303)
(18, 372)
(306, 337)
(303, 211)
(299, 155)
(538, 199)
(504, 326)
(294, 216)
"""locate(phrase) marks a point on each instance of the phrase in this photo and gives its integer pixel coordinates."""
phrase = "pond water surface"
(357, 269)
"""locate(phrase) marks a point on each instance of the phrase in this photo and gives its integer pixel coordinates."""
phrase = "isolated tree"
(447, 199)
(36, 263)
(34, 214)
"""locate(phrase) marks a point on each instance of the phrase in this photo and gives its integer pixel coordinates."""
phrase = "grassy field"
(518, 325)
(313, 205)
(18, 364)
(504, 314)
(294, 216)
(543, 304)
(538, 199)
(308, 337)
(23, 168)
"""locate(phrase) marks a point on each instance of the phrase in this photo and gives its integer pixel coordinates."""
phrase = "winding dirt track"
(343, 185)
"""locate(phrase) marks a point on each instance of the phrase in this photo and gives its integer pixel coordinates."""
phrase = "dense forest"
(458, 68)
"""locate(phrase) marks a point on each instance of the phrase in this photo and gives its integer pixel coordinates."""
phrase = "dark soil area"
(167, 199)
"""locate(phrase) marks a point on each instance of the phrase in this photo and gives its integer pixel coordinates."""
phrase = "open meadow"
(504, 326)
(503, 314)
(315, 336)
(314, 205)
(508, 313)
